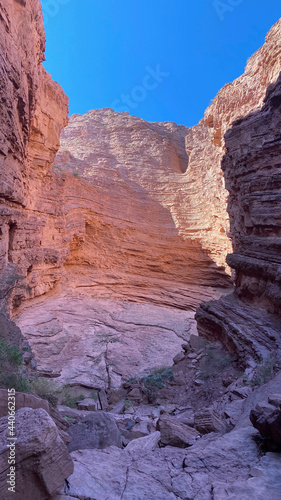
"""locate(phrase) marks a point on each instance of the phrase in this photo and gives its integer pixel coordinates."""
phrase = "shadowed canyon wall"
(249, 320)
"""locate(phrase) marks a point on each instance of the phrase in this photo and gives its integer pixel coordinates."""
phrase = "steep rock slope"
(249, 320)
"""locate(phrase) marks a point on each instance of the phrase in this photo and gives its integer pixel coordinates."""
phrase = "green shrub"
(69, 420)
(155, 381)
(264, 371)
(9, 354)
(45, 389)
(67, 397)
(10, 366)
(16, 381)
(158, 378)
(128, 404)
(214, 362)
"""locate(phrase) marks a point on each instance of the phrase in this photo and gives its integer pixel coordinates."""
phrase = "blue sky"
(162, 60)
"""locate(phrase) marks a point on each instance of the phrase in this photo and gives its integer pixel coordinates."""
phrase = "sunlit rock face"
(147, 213)
(33, 110)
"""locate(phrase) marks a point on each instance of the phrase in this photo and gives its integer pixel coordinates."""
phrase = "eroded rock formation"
(33, 111)
(249, 320)
(107, 255)
(149, 211)
(132, 211)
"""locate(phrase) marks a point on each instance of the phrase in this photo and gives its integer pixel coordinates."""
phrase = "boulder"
(41, 458)
(147, 443)
(186, 417)
(175, 433)
(179, 357)
(267, 420)
(88, 404)
(23, 400)
(275, 400)
(97, 430)
(208, 420)
(135, 395)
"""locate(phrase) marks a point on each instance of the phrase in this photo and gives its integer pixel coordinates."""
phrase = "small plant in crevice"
(264, 371)
(213, 362)
(68, 397)
(45, 389)
(69, 420)
(158, 378)
(10, 368)
(128, 404)
(153, 382)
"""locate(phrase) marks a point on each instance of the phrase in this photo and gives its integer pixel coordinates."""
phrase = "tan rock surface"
(102, 342)
(149, 231)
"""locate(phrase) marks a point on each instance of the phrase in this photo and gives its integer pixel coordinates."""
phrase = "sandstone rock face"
(149, 213)
(246, 93)
(33, 111)
(250, 320)
(101, 343)
(42, 459)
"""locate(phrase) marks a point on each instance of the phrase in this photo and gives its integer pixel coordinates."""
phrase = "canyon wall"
(128, 211)
(33, 111)
(249, 320)
(147, 214)
(131, 209)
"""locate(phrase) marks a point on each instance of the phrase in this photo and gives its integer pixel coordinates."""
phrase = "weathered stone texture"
(249, 321)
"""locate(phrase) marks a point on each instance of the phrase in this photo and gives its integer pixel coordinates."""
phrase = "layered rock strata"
(33, 110)
(249, 320)
(148, 213)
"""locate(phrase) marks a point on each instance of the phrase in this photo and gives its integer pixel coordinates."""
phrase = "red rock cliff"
(33, 110)
(249, 320)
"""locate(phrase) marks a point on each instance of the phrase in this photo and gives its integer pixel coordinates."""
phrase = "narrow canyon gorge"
(140, 274)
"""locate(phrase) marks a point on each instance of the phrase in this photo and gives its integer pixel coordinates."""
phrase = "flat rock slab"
(102, 342)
